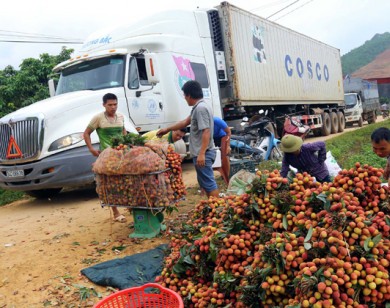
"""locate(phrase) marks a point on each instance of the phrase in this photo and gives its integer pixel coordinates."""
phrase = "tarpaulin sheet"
(130, 271)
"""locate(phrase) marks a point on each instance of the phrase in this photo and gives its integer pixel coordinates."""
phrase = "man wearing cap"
(308, 157)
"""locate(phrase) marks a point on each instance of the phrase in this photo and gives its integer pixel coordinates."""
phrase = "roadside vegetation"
(355, 146)
(347, 149)
(7, 196)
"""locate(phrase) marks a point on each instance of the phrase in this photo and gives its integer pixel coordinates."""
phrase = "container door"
(144, 100)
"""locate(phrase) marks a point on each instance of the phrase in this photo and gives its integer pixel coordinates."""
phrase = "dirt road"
(45, 244)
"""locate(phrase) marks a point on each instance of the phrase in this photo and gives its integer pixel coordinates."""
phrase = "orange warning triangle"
(13, 150)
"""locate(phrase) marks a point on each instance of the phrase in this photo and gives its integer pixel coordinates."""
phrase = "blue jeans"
(205, 175)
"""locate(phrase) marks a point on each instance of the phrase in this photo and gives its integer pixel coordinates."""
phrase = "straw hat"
(291, 143)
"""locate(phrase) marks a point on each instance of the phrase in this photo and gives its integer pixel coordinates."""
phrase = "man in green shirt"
(107, 125)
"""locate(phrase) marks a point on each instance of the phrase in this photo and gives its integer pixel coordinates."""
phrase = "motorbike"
(257, 140)
(385, 113)
(294, 127)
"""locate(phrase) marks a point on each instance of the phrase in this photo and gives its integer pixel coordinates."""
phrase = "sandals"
(120, 218)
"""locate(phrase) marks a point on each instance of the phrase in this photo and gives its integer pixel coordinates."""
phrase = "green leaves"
(86, 292)
(128, 139)
(371, 242)
(306, 243)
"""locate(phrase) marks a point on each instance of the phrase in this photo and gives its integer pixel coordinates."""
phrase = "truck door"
(144, 101)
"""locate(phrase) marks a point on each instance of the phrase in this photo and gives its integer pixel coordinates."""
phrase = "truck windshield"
(350, 100)
(93, 75)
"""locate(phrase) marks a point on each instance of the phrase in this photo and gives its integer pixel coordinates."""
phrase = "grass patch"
(7, 196)
(355, 146)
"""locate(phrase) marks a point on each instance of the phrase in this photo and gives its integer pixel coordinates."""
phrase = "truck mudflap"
(69, 168)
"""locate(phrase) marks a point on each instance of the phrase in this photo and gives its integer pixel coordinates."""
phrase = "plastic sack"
(159, 146)
(240, 182)
(134, 160)
(331, 164)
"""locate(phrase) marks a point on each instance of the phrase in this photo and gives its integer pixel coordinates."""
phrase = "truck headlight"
(66, 141)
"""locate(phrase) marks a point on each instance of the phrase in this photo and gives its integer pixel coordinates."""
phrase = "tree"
(29, 84)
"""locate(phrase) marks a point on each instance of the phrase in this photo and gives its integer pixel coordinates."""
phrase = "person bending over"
(308, 157)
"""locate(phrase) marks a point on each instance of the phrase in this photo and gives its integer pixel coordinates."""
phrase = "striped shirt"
(107, 129)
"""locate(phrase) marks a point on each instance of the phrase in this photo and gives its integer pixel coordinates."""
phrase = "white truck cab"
(144, 64)
(354, 108)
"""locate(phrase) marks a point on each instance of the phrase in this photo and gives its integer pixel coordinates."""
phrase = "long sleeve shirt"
(311, 159)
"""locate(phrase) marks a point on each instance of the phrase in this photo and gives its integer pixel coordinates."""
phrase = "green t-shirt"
(106, 129)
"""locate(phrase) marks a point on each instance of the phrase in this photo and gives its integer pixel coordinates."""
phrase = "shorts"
(205, 175)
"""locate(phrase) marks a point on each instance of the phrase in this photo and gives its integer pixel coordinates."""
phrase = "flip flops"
(120, 218)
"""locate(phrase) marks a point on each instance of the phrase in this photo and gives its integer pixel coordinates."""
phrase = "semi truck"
(243, 62)
(361, 101)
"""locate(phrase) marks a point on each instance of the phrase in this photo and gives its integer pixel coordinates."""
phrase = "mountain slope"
(363, 55)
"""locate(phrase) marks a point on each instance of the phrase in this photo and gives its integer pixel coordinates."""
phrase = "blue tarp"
(130, 271)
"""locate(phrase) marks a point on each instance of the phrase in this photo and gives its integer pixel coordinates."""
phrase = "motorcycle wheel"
(276, 154)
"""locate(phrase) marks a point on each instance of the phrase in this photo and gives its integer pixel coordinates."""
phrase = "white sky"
(344, 24)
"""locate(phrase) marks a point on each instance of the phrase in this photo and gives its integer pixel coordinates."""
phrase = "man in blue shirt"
(221, 138)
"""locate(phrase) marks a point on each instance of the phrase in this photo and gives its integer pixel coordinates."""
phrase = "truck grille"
(216, 29)
(27, 137)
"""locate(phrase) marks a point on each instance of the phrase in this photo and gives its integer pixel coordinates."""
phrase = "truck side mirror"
(52, 87)
(152, 68)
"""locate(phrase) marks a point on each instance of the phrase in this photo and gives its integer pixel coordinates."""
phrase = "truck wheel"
(335, 123)
(360, 122)
(373, 117)
(44, 193)
(326, 124)
(340, 115)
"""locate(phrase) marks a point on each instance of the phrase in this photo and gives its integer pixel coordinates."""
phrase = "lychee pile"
(287, 244)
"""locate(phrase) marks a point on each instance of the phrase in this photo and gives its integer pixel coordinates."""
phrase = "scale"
(148, 222)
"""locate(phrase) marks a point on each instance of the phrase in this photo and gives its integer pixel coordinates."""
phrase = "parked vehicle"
(296, 128)
(243, 62)
(385, 111)
(361, 101)
(258, 141)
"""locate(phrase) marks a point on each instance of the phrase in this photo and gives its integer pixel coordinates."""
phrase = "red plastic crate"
(137, 298)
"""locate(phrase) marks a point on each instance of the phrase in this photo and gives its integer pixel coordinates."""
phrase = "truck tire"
(44, 193)
(326, 124)
(372, 118)
(334, 123)
(360, 122)
(340, 115)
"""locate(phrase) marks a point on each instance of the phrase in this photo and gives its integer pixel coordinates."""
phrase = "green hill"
(366, 53)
